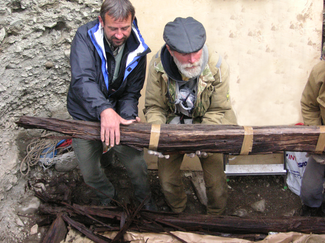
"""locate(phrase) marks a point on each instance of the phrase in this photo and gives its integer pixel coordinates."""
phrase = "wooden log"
(235, 225)
(83, 229)
(221, 224)
(185, 138)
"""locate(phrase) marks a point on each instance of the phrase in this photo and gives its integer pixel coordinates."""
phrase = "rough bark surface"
(190, 138)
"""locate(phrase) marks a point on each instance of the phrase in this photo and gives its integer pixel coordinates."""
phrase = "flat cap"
(184, 35)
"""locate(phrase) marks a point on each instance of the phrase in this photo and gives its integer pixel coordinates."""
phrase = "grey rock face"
(35, 38)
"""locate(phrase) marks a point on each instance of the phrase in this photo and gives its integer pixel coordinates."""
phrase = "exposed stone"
(49, 64)
(2, 34)
(29, 205)
(19, 222)
(34, 229)
(259, 206)
(16, 26)
(240, 212)
(35, 38)
(66, 162)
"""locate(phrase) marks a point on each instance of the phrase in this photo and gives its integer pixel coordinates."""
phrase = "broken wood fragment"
(87, 232)
(198, 183)
(184, 138)
(57, 231)
(79, 211)
(129, 221)
(235, 225)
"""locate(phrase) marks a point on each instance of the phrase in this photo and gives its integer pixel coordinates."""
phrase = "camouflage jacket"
(313, 97)
(212, 104)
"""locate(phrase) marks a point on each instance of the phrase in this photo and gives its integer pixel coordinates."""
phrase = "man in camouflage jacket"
(188, 84)
(313, 113)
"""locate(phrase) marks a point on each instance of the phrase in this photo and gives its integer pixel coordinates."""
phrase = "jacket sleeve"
(310, 106)
(128, 102)
(156, 107)
(84, 77)
(220, 110)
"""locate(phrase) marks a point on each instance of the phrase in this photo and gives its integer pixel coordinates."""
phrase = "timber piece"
(81, 212)
(87, 232)
(224, 224)
(235, 225)
(57, 232)
(199, 187)
(109, 212)
(184, 138)
(129, 221)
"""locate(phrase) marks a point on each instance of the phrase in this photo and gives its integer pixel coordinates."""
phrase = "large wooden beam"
(235, 225)
(199, 222)
(189, 138)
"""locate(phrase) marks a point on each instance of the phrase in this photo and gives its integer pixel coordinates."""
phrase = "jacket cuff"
(102, 108)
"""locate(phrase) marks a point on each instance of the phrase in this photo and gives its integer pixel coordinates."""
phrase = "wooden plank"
(274, 158)
(199, 187)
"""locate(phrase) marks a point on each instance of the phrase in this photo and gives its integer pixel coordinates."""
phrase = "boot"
(150, 205)
(311, 212)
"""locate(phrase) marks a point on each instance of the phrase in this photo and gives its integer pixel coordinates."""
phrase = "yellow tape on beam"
(247, 145)
(321, 140)
(154, 137)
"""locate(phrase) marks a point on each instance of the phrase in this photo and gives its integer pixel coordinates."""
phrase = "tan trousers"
(214, 177)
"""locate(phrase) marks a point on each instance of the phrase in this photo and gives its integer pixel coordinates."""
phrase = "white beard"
(189, 73)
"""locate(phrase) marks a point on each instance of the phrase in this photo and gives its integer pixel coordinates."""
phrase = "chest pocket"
(203, 101)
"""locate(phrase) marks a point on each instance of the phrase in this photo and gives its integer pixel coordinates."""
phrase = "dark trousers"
(89, 154)
(311, 192)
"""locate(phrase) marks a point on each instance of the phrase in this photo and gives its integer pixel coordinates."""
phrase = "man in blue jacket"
(108, 65)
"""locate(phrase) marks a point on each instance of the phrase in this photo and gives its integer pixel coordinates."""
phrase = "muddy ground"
(268, 192)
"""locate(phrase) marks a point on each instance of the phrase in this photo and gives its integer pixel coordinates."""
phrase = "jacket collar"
(135, 43)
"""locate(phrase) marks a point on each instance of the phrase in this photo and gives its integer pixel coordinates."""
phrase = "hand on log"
(198, 154)
(158, 154)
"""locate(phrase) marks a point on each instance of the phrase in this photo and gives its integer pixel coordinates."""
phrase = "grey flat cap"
(184, 35)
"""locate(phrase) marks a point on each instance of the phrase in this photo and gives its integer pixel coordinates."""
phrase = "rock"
(2, 34)
(29, 206)
(49, 65)
(11, 181)
(241, 212)
(39, 187)
(19, 222)
(34, 229)
(65, 162)
(290, 213)
(259, 206)
(50, 25)
(16, 26)
(4, 10)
